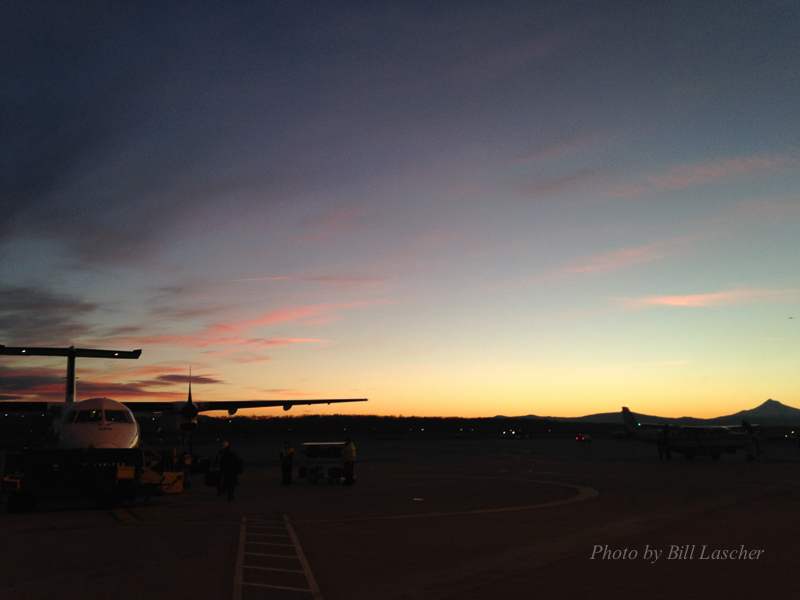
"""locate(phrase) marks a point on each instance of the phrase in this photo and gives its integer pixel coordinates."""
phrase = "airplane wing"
(151, 407)
(231, 406)
(30, 407)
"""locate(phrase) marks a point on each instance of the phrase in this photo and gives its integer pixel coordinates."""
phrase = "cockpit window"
(117, 416)
(68, 417)
(89, 416)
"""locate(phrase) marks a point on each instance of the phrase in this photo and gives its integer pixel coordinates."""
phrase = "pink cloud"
(683, 176)
(622, 257)
(289, 313)
(48, 384)
(204, 340)
(234, 333)
(727, 298)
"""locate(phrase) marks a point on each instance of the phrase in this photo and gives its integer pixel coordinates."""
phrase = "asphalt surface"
(454, 519)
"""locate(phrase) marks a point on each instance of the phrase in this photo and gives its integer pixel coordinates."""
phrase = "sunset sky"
(453, 209)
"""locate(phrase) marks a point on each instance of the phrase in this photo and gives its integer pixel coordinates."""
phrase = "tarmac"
(454, 519)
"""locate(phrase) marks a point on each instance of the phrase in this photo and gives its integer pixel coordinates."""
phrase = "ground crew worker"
(231, 466)
(348, 461)
(286, 455)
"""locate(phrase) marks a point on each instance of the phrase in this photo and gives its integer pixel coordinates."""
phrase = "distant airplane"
(106, 423)
(713, 441)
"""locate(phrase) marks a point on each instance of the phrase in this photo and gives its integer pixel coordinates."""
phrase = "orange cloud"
(726, 298)
(683, 176)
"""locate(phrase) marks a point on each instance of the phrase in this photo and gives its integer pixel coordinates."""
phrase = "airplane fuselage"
(688, 440)
(97, 423)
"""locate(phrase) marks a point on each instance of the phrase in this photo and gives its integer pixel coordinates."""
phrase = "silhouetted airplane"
(106, 423)
(713, 441)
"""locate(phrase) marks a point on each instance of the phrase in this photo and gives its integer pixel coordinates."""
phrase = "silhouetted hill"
(770, 412)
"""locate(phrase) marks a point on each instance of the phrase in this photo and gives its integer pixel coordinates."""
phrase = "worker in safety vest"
(348, 461)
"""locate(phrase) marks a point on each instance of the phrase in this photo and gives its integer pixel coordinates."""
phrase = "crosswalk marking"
(273, 569)
(281, 567)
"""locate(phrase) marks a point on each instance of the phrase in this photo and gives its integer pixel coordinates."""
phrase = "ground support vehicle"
(107, 475)
(321, 461)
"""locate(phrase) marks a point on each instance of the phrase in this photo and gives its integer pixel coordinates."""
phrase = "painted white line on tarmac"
(312, 583)
(584, 493)
(238, 576)
(260, 578)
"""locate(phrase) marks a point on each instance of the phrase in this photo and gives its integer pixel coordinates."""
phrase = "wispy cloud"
(207, 339)
(616, 259)
(34, 315)
(238, 335)
(548, 188)
(320, 313)
(683, 176)
(736, 297)
(47, 383)
(283, 278)
(329, 223)
(17, 384)
(559, 147)
(347, 281)
(514, 55)
(197, 379)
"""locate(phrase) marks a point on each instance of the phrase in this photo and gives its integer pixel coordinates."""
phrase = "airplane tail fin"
(629, 420)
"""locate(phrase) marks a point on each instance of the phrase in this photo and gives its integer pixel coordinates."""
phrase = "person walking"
(231, 466)
(216, 471)
(348, 461)
(286, 455)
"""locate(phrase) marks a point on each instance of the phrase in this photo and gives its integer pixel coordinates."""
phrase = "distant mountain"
(770, 412)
